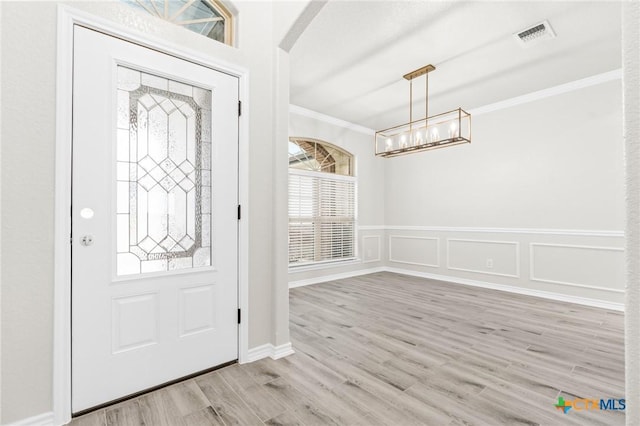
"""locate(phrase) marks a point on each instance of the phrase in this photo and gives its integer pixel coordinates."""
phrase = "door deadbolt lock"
(87, 240)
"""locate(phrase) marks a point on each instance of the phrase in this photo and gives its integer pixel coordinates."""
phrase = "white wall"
(539, 171)
(552, 163)
(535, 202)
(28, 37)
(370, 175)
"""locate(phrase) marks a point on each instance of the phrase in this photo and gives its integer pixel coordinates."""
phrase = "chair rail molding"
(539, 231)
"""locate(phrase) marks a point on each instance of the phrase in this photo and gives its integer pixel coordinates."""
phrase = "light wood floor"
(398, 350)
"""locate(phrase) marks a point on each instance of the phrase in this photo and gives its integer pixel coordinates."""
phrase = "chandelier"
(446, 129)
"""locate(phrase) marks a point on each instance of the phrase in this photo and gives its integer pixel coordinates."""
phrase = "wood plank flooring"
(388, 349)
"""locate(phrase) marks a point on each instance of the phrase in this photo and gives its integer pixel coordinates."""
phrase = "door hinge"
(239, 108)
(239, 211)
(239, 316)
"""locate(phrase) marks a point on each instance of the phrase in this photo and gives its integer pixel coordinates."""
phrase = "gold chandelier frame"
(438, 131)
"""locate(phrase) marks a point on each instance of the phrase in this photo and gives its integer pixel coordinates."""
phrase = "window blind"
(321, 217)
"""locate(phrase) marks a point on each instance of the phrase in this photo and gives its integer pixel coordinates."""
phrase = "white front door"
(154, 219)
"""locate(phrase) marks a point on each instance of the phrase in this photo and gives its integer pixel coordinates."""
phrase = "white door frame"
(67, 18)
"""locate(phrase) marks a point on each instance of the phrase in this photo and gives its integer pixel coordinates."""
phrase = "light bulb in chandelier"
(453, 130)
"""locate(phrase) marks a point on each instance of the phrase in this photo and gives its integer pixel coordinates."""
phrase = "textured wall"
(631, 81)
(28, 141)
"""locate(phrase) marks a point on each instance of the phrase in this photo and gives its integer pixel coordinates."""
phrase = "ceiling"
(350, 60)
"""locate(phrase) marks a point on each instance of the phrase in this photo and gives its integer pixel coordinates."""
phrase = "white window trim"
(324, 264)
(334, 176)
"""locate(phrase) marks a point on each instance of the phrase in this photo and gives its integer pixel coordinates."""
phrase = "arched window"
(207, 17)
(315, 155)
(322, 203)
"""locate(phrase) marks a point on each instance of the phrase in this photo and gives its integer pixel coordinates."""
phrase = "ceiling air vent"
(535, 34)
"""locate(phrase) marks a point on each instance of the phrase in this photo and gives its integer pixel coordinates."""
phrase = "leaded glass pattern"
(206, 17)
(163, 173)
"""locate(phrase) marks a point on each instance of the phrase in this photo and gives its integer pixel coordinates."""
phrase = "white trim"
(372, 228)
(62, 222)
(298, 110)
(542, 280)
(323, 264)
(326, 278)
(539, 231)
(411, 237)
(44, 419)
(475, 283)
(323, 175)
(268, 350)
(282, 351)
(67, 18)
(243, 224)
(511, 289)
(379, 255)
(578, 246)
(551, 91)
(259, 352)
(478, 271)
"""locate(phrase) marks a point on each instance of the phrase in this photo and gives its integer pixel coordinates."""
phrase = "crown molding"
(551, 91)
(298, 110)
(496, 106)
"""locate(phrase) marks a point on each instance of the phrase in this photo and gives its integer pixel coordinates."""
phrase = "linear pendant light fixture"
(446, 129)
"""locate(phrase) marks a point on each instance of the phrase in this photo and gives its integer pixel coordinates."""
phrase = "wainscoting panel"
(371, 245)
(484, 257)
(371, 254)
(578, 265)
(420, 251)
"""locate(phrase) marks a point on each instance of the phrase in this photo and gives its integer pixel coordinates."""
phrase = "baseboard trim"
(511, 289)
(282, 351)
(456, 280)
(333, 277)
(44, 419)
(268, 350)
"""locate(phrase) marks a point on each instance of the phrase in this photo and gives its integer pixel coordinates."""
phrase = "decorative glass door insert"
(163, 170)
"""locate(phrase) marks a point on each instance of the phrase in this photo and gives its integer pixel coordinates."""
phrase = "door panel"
(154, 270)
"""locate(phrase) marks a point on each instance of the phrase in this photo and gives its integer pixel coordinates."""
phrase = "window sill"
(324, 265)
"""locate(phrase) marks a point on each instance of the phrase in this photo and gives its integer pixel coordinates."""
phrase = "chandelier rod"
(410, 104)
(426, 100)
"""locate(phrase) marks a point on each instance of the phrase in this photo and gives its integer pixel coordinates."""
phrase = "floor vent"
(535, 34)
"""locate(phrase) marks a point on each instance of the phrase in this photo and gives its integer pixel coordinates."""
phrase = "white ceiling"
(350, 61)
